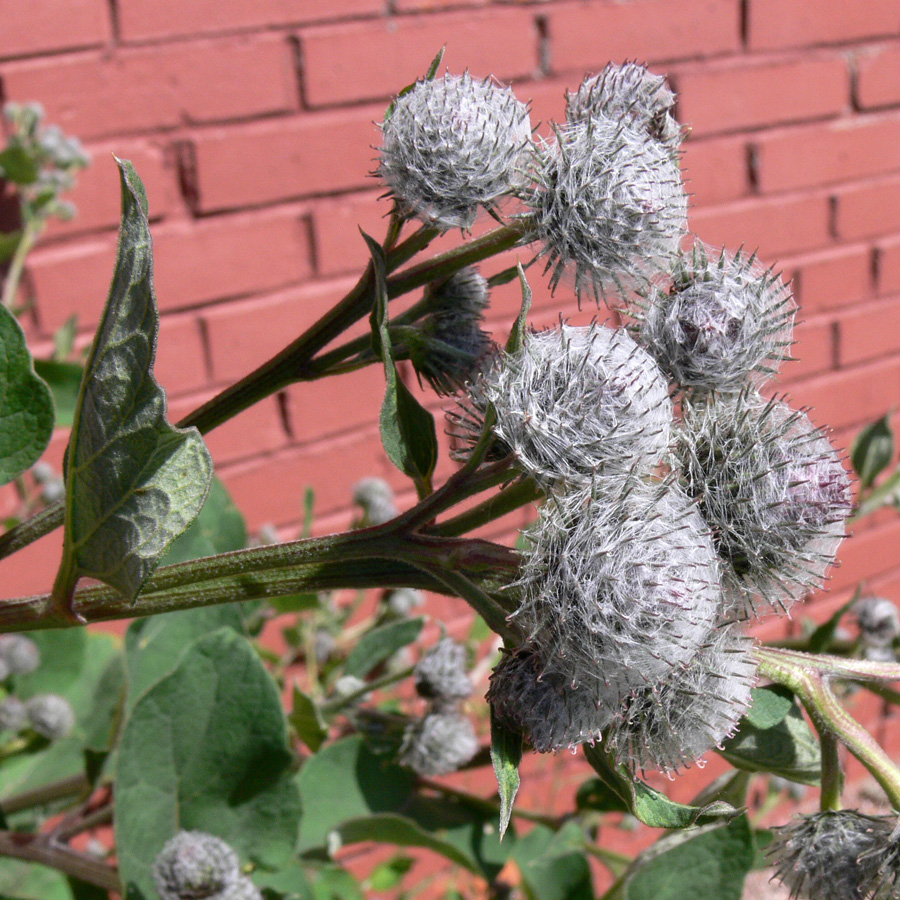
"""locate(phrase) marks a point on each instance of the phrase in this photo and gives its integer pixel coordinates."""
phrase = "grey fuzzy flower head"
(452, 145)
(50, 715)
(577, 402)
(195, 865)
(242, 889)
(19, 654)
(725, 320)
(631, 94)
(544, 706)
(448, 346)
(774, 492)
(13, 715)
(402, 601)
(441, 743)
(376, 497)
(879, 621)
(619, 587)
(694, 709)
(842, 855)
(608, 206)
(441, 673)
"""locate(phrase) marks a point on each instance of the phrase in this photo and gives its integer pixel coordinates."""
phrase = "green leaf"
(596, 794)
(26, 407)
(335, 883)
(64, 339)
(710, 862)
(553, 864)
(379, 644)
(407, 429)
(307, 721)
(133, 482)
(29, 881)
(206, 748)
(820, 640)
(648, 805)
(102, 725)
(768, 740)
(9, 241)
(289, 882)
(64, 381)
(517, 335)
(388, 875)
(506, 754)
(219, 528)
(18, 165)
(431, 74)
(873, 450)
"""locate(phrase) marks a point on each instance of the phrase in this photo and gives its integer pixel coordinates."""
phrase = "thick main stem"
(39, 849)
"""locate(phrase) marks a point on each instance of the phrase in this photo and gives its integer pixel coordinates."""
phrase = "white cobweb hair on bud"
(452, 145)
(620, 586)
(194, 864)
(544, 706)
(441, 673)
(672, 724)
(575, 403)
(439, 744)
(376, 498)
(725, 321)
(632, 94)
(838, 855)
(773, 490)
(608, 206)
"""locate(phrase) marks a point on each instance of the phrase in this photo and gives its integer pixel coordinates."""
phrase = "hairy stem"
(832, 773)
(64, 789)
(39, 849)
(29, 237)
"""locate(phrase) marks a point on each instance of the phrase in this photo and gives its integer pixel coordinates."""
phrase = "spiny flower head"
(441, 673)
(694, 709)
(19, 655)
(773, 490)
(725, 320)
(575, 403)
(607, 204)
(619, 587)
(546, 707)
(441, 743)
(452, 145)
(629, 93)
(448, 345)
(376, 497)
(50, 715)
(843, 855)
(195, 865)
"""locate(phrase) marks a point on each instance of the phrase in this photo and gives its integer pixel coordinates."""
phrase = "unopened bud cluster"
(664, 524)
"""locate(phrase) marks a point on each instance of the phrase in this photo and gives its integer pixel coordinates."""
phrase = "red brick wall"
(252, 126)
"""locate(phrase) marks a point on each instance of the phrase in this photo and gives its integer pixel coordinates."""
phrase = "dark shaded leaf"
(377, 645)
(873, 450)
(506, 754)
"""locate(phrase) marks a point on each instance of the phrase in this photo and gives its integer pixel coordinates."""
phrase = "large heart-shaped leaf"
(26, 405)
(133, 482)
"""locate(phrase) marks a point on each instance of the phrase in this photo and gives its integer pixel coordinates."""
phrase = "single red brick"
(811, 155)
(830, 278)
(802, 23)
(244, 334)
(878, 76)
(732, 95)
(44, 25)
(866, 554)
(774, 226)
(715, 170)
(143, 19)
(887, 256)
(501, 42)
(228, 256)
(850, 396)
(180, 358)
(92, 95)
(813, 349)
(336, 224)
(247, 165)
(868, 209)
(587, 36)
(870, 331)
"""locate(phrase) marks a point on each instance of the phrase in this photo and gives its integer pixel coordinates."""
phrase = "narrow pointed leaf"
(506, 754)
(307, 721)
(134, 483)
(517, 335)
(872, 450)
(377, 645)
(26, 406)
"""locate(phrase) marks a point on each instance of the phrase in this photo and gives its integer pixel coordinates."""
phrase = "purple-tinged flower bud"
(376, 498)
(773, 490)
(841, 855)
(195, 865)
(452, 145)
(441, 673)
(608, 205)
(630, 94)
(13, 715)
(50, 715)
(725, 320)
(441, 743)
(19, 653)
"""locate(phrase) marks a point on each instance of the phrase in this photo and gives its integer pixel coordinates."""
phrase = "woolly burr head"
(774, 492)
(194, 865)
(452, 145)
(441, 673)
(376, 497)
(19, 654)
(608, 206)
(725, 321)
(441, 743)
(50, 715)
(631, 94)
